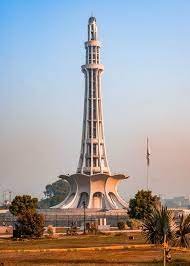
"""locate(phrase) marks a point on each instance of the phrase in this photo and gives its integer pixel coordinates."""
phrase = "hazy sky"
(146, 91)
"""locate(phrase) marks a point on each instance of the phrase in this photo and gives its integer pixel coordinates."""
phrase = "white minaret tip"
(92, 29)
(91, 20)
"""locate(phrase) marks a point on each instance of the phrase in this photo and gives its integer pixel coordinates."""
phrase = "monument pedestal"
(96, 191)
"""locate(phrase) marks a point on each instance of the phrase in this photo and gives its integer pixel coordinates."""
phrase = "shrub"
(50, 230)
(121, 225)
(134, 223)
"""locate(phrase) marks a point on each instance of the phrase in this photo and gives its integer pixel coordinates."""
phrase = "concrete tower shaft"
(93, 159)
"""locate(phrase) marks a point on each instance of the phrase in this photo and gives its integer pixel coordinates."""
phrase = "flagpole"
(147, 163)
(147, 177)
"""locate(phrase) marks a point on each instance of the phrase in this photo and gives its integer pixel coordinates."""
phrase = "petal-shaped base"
(97, 191)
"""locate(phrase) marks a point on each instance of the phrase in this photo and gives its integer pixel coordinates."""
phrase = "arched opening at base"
(98, 200)
(84, 197)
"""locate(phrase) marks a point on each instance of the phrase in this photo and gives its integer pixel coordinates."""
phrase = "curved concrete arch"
(67, 203)
(111, 187)
(98, 191)
(84, 198)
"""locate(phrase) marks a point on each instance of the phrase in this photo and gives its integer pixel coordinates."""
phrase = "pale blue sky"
(146, 90)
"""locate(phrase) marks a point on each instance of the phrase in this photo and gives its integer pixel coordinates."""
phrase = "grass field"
(129, 255)
(73, 241)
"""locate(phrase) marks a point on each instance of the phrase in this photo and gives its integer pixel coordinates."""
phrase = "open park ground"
(112, 249)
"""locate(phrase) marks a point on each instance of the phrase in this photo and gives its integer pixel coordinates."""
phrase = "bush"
(134, 223)
(92, 228)
(72, 231)
(50, 230)
(121, 225)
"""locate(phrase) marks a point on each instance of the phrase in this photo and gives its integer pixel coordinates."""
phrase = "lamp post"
(165, 245)
(164, 249)
(84, 217)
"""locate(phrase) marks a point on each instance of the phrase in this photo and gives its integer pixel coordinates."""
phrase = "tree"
(29, 223)
(21, 204)
(183, 231)
(159, 223)
(142, 204)
(54, 193)
(49, 192)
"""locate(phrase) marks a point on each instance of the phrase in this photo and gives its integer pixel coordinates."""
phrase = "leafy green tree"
(60, 187)
(159, 223)
(142, 204)
(183, 231)
(49, 192)
(21, 204)
(54, 193)
(29, 223)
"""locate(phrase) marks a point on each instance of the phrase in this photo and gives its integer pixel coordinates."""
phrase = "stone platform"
(67, 217)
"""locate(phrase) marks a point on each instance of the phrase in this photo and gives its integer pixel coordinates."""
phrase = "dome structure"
(91, 20)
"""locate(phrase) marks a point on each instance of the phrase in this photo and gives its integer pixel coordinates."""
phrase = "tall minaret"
(93, 158)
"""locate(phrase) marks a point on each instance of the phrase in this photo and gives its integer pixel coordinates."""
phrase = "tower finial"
(92, 28)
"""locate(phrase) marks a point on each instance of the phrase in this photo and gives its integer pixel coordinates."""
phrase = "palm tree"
(183, 231)
(159, 226)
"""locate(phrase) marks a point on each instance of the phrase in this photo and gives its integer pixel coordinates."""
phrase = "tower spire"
(93, 159)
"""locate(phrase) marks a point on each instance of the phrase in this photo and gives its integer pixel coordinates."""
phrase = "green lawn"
(73, 241)
(141, 255)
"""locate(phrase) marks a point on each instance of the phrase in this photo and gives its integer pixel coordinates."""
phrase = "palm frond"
(158, 223)
(183, 231)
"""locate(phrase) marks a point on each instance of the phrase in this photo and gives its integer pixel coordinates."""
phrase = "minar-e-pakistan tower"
(93, 183)
(93, 158)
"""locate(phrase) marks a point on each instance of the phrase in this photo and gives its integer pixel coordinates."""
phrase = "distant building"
(177, 202)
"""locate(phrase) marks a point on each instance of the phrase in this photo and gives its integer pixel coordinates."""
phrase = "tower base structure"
(95, 191)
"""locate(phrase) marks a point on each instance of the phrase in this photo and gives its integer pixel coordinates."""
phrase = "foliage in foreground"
(29, 223)
(160, 222)
(142, 204)
(183, 232)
